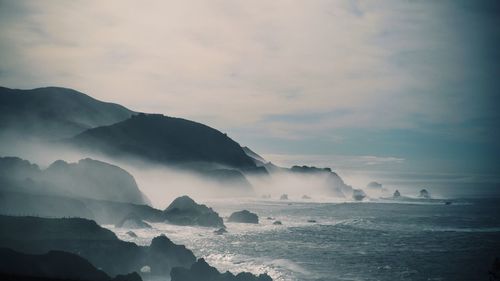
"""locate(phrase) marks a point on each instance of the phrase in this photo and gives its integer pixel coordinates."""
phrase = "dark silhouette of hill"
(54, 112)
(101, 247)
(166, 140)
(86, 179)
(54, 264)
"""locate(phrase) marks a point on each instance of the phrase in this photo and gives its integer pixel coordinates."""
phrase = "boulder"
(277, 223)
(244, 217)
(185, 211)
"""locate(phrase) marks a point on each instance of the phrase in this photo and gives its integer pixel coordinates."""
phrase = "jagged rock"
(202, 271)
(185, 211)
(358, 194)
(284, 197)
(396, 194)
(132, 221)
(164, 254)
(244, 217)
(220, 231)
(132, 234)
(424, 194)
(277, 223)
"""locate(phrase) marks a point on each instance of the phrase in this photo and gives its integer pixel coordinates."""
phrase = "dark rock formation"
(166, 140)
(284, 197)
(185, 211)
(396, 194)
(163, 255)
(132, 221)
(277, 223)
(312, 221)
(424, 194)
(244, 217)
(336, 185)
(85, 238)
(202, 271)
(358, 194)
(54, 113)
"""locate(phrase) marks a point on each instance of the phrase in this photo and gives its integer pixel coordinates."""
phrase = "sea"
(379, 239)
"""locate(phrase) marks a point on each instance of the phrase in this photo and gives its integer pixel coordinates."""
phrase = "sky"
(389, 85)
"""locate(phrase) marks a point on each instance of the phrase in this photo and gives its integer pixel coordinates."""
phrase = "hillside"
(54, 112)
(166, 140)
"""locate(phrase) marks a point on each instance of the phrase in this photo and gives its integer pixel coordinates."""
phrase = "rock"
(132, 221)
(311, 221)
(270, 218)
(220, 231)
(244, 217)
(306, 197)
(358, 194)
(185, 211)
(448, 203)
(284, 197)
(424, 194)
(277, 223)
(201, 270)
(396, 194)
(132, 234)
(164, 254)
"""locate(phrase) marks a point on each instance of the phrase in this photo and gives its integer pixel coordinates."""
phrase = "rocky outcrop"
(201, 270)
(163, 255)
(185, 211)
(244, 216)
(284, 197)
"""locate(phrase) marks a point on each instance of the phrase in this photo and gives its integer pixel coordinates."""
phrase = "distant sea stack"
(166, 140)
(424, 194)
(244, 216)
(396, 194)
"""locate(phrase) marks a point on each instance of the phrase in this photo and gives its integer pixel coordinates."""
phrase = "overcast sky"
(394, 85)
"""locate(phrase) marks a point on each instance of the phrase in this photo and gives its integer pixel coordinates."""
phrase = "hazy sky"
(394, 85)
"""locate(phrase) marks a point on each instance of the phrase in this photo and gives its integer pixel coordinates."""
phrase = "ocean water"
(381, 240)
